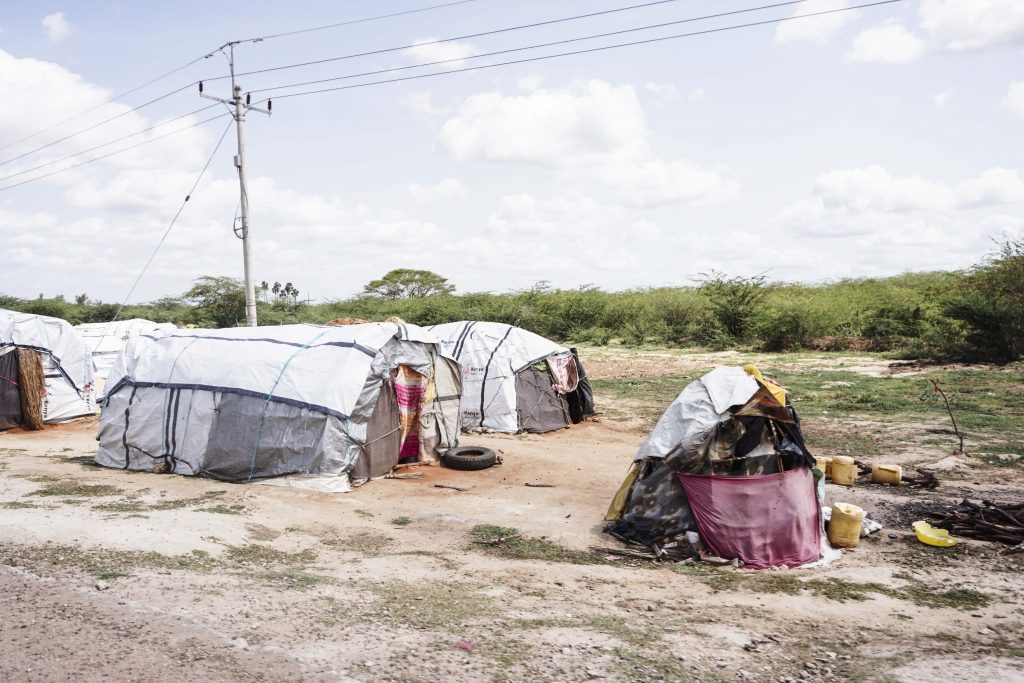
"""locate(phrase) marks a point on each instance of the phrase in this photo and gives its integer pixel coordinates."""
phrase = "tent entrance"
(541, 408)
(10, 392)
(383, 437)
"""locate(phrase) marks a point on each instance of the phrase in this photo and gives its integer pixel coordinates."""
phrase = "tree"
(734, 300)
(407, 283)
(82, 300)
(219, 301)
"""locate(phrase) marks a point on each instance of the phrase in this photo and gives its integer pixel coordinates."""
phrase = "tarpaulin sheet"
(765, 520)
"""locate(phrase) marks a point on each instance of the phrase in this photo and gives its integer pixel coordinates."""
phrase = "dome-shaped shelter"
(321, 405)
(514, 380)
(46, 371)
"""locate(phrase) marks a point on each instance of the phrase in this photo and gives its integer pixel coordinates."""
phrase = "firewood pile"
(987, 521)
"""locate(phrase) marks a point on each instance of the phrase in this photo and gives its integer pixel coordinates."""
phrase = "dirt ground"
(107, 575)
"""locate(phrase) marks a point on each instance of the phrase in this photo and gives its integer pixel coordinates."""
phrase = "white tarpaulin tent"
(323, 405)
(106, 340)
(512, 379)
(66, 360)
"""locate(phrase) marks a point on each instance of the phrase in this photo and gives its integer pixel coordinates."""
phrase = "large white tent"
(66, 362)
(512, 379)
(320, 405)
(106, 340)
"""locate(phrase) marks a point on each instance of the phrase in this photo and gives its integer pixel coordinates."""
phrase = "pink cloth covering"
(765, 520)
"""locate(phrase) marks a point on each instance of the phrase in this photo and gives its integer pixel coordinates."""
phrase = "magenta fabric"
(765, 520)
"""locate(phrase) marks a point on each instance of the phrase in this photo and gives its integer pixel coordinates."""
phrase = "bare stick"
(938, 390)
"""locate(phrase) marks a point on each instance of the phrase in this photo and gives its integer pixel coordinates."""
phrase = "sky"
(861, 143)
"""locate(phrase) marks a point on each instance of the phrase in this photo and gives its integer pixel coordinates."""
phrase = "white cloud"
(643, 230)
(697, 96)
(588, 131)
(422, 103)
(941, 99)
(446, 189)
(573, 213)
(57, 27)
(654, 182)
(427, 50)
(530, 81)
(870, 200)
(817, 30)
(588, 121)
(666, 90)
(964, 25)
(1015, 98)
(887, 42)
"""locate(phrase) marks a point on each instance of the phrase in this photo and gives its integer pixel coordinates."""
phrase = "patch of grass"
(402, 521)
(956, 598)
(103, 562)
(257, 554)
(506, 542)
(126, 505)
(223, 509)
(74, 489)
(716, 579)
(620, 629)
(365, 514)
(432, 606)
(366, 542)
(19, 505)
(292, 579)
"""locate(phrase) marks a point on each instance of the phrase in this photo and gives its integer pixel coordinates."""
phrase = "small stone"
(240, 643)
(102, 585)
(986, 632)
(830, 655)
(650, 608)
(369, 664)
(566, 650)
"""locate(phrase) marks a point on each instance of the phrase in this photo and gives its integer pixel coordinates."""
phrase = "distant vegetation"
(977, 315)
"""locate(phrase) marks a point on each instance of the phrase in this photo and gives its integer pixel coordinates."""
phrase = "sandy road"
(215, 582)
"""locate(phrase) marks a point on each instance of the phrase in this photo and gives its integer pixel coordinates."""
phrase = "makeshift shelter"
(106, 340)
(514, 380)
(323, 406)
(726, 460)
(46, 371)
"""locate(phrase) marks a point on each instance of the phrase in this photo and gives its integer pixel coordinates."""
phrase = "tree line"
(972, 315)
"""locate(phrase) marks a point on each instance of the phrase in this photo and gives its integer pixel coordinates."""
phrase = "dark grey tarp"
(541, 408)
(10, 396)
(254, 438)
(383, 437)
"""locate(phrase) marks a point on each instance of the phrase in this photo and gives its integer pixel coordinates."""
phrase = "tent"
(37, 345)
(727, 461)
(106, 340)
(322, 406)
(514, 380)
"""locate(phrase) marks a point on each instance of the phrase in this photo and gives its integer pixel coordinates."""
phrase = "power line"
(105, 156)
(588, 50)
(106, 144)
(110, 100)
(353, 21)
(448, 40)
(97, 125)
(534, 47)
(171, 225)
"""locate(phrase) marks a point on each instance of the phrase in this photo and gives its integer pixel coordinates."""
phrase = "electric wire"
(602, 48)
(97, 125)
(350, 22)
(120, 151)
(106, 144)
(439, 41)
(171, 224)
(111, 99)
(531, 47)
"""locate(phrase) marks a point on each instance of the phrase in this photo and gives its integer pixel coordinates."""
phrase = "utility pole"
(240, 108)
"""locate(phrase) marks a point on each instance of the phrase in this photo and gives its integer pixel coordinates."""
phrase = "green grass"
(506, 542)
(73, 489)
(401, 521)
(257, 554)
(291, 579)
